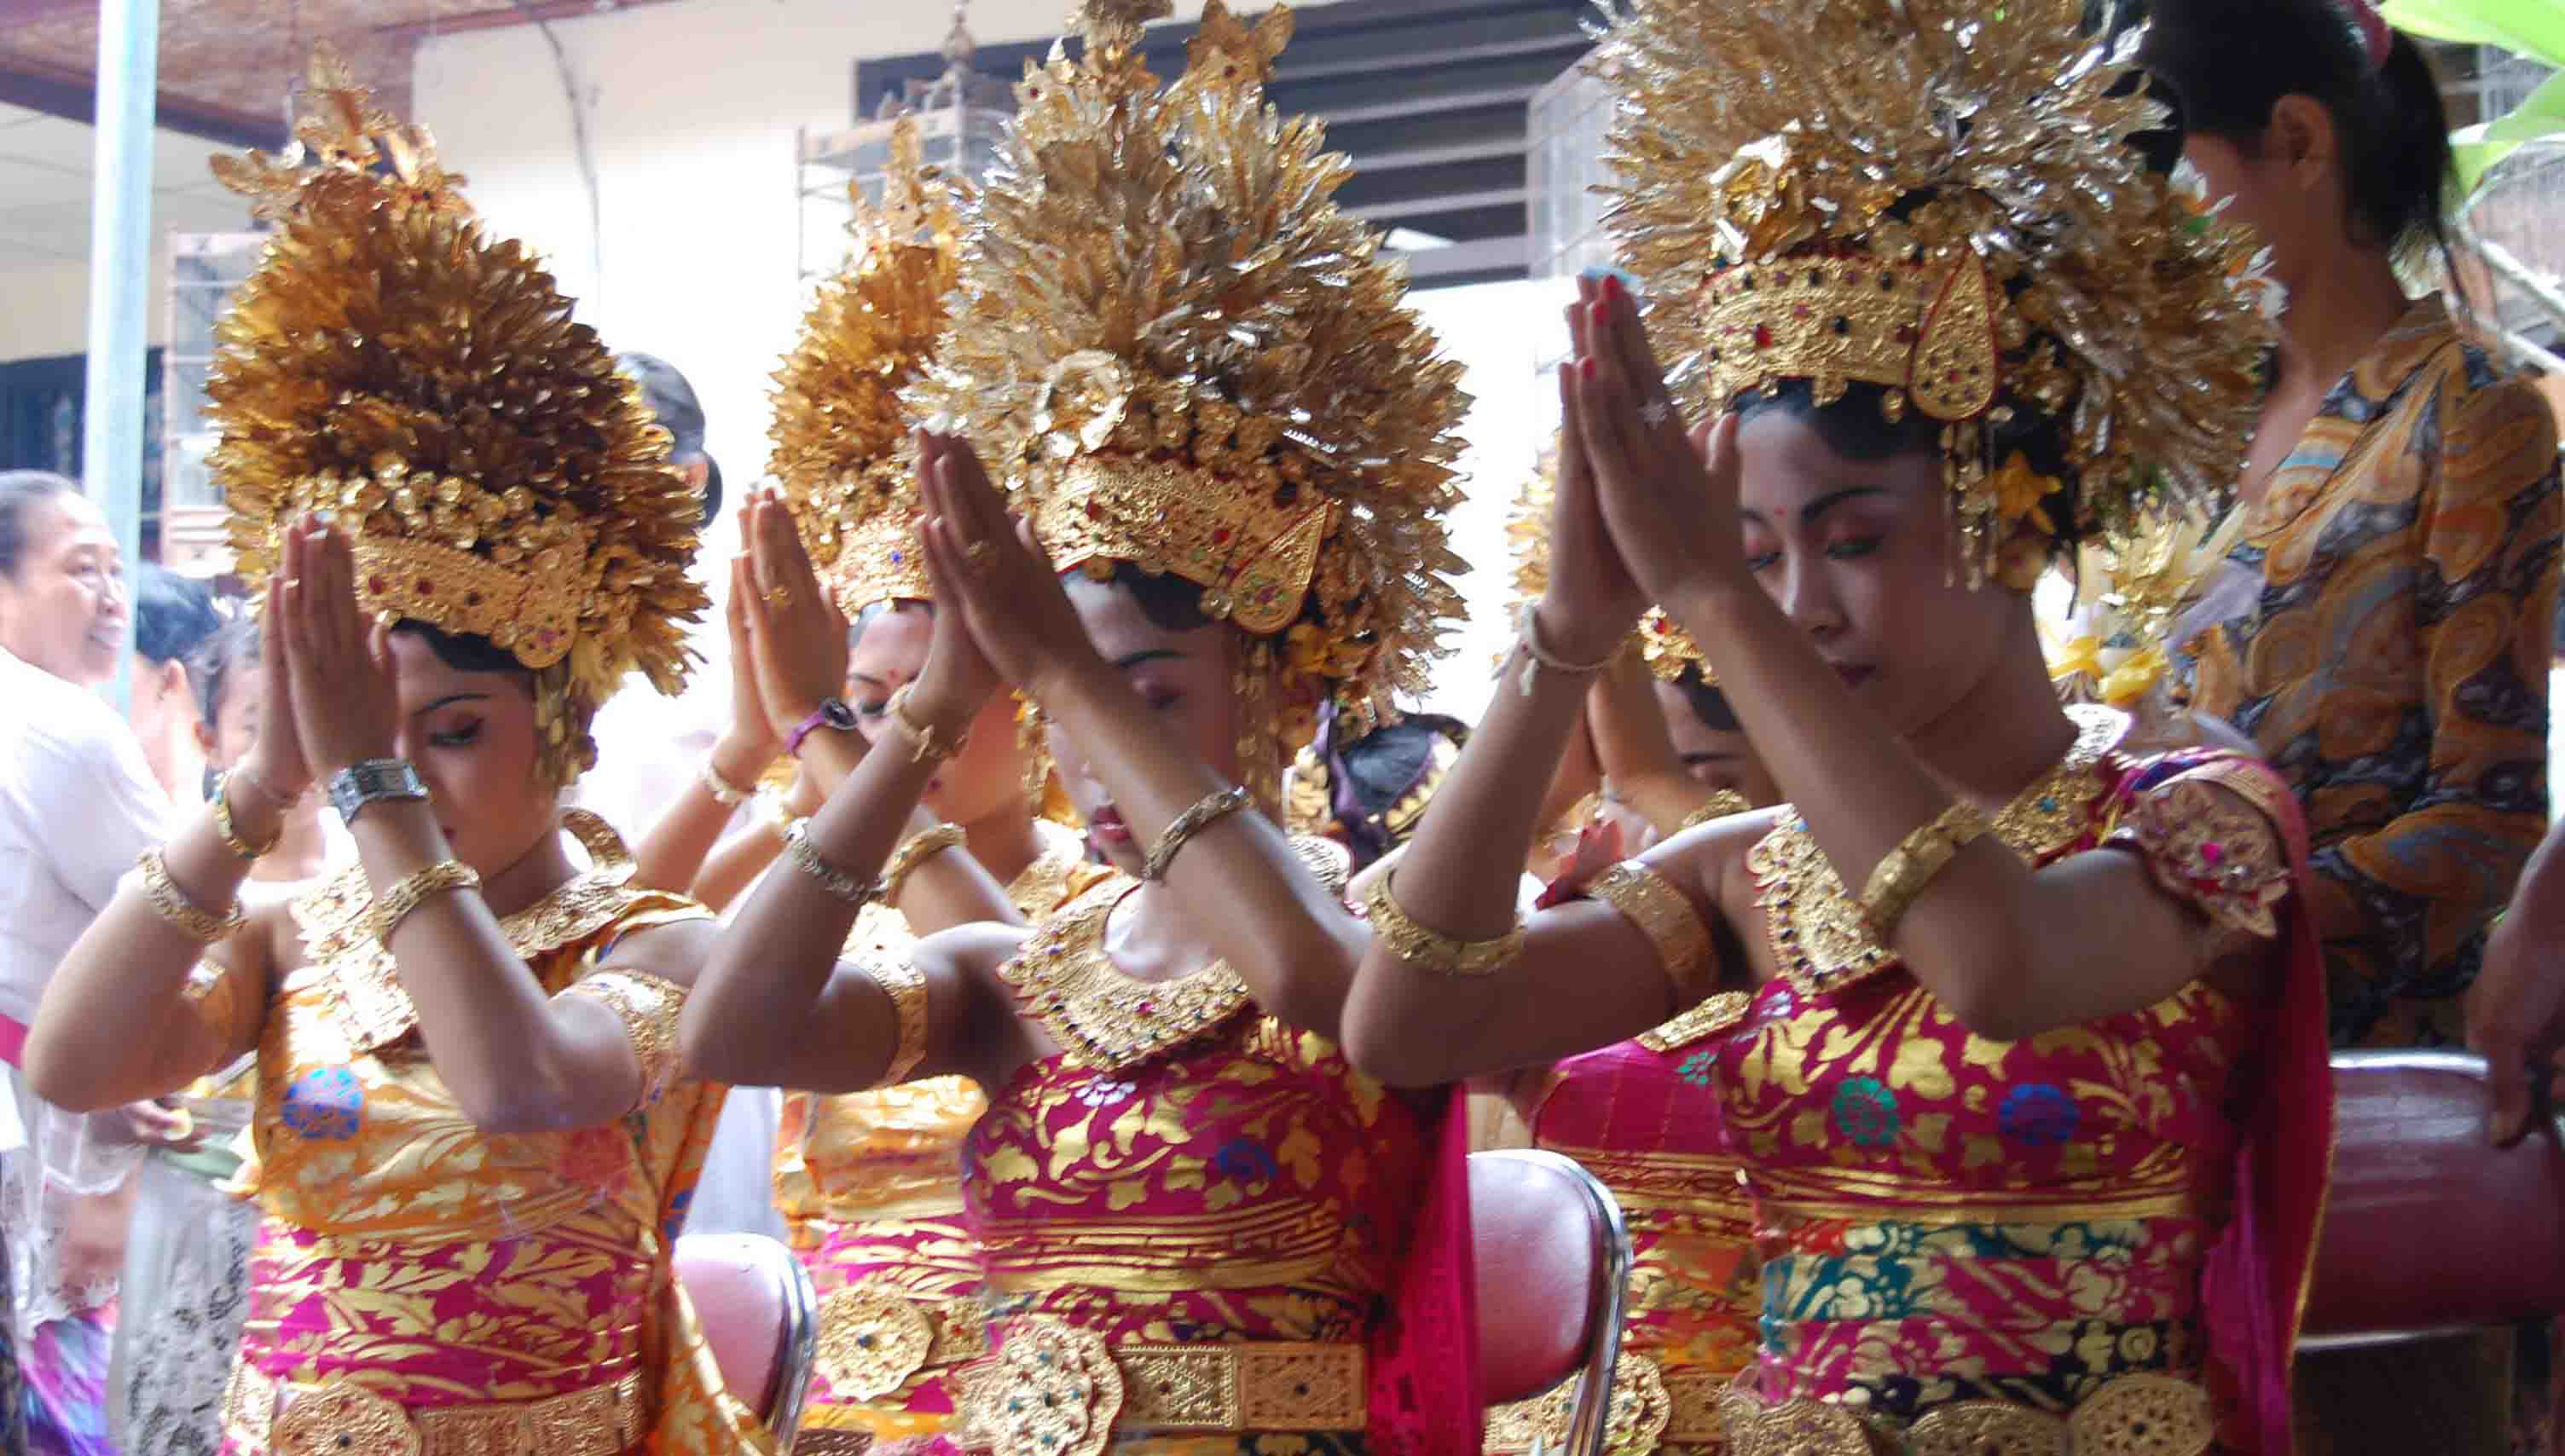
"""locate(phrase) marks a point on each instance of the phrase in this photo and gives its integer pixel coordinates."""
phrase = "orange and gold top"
(410, 1264)
(869, 1183)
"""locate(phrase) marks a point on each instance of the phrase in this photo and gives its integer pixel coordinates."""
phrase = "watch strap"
(832, 712)
(369, 780)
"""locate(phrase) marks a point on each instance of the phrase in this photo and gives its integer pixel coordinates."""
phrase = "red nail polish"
(1611, 286)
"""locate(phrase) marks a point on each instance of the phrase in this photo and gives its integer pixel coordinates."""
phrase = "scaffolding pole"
(119, 281)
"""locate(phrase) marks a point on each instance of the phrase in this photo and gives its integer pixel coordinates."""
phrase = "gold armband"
(648, 1007)
(1665, 917)
(920, 847)
(906, 987)
(1896, 880)
(395, 904)
(1430, 949)
(173, 906)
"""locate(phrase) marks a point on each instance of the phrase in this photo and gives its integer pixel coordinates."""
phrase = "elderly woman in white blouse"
(76, 804)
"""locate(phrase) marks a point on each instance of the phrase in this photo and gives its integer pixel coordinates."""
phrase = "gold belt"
(1650, 1408)
(339, 1417)
(871, 1340)
(2157, 1414)
(1054, 1390)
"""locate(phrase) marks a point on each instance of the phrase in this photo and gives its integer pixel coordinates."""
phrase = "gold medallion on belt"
(338, 1417)
(1054, 1391)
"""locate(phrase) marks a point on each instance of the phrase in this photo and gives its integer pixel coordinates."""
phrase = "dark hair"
(1858, 429)
(2231, 62)
(172, 614)
(465, 652)
(1170, 602)
(234, 645)
(1708, 703)
(1384, 764)
(17, 488)
(672, 404)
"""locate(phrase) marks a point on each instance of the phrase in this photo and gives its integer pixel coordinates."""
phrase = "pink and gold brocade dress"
(1190, 1218)
(2095, 1238)
(870, 1184)
(1641, 1117)
(420, 1286)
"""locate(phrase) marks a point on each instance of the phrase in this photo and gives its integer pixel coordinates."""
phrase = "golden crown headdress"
(1941, 198)
(840, 432)
(1185, 356)
(390, 363)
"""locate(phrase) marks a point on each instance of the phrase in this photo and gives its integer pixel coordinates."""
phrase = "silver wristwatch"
(353, 787)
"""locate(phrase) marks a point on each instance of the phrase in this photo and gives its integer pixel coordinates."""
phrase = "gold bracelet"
(190, 920)
(1896, 880)
(807, 858)
(724, 791)
(906, 987)
(394, 905)
(1665, 917)
(1204, 811)
(1723, 802)
(929, 743)
(648, 1007)
(1428, 948)
(920, 847)
(230, 836)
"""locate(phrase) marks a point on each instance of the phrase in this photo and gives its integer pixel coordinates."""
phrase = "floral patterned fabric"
(1943, 1217)
(869, 1183)
(1248, 1185)
(409, 1253)
(1646, 1123)
(2382, 627)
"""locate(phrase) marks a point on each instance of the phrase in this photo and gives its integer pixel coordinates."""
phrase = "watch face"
(839, 716)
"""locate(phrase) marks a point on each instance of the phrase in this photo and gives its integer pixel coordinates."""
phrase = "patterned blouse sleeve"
(2483, 613)
(2209, 839)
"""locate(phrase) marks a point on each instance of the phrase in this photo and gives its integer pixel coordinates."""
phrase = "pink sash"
(1425, 1354)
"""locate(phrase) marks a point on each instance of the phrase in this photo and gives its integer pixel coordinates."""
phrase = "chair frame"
(2465, 1064)
(1590, 1407)
(798, 1332)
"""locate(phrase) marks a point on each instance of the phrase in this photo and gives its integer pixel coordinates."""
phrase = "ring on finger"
(1657, 411)
(777, 597)
(976, 552)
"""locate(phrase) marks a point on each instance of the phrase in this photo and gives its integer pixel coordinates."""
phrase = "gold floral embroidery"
(1635, 1419)
(1101, 1018)
(1819, 933)
(1710, 1018)
(342, 1419)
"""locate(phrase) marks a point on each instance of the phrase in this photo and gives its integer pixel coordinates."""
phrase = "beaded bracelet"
(173, 906)
(807, 858)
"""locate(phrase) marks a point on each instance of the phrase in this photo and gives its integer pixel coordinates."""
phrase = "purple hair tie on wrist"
(2376, 39)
